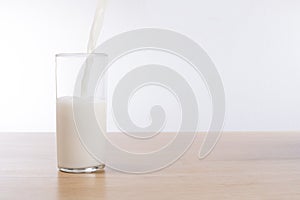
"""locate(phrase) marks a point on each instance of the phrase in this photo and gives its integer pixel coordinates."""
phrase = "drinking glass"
(73, 81)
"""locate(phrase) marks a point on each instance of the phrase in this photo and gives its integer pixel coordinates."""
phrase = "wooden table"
(242, 166)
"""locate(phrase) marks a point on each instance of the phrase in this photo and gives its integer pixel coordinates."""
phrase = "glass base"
(82, 170)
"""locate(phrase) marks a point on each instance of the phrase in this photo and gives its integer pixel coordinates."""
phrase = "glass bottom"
(82, 170)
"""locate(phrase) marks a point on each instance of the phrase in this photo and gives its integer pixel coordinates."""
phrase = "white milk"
(97, 25)
(70, 152)
(94, 36)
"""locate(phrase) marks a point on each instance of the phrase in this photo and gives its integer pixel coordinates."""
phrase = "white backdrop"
(255, 45)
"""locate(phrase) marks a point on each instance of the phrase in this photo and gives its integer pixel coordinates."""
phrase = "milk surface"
(70, 151)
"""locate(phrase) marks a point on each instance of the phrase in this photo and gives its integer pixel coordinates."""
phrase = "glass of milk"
(74, 85)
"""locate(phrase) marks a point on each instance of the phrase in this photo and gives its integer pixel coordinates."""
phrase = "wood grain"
(246, 165)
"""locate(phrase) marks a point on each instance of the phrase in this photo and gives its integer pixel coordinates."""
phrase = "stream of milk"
(96, 26)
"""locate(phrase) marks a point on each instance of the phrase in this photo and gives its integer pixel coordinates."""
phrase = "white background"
(255, 45)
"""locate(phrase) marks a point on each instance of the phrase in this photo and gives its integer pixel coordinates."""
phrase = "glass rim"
(79, 54)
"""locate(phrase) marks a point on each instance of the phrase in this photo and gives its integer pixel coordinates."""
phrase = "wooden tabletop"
(242, 166)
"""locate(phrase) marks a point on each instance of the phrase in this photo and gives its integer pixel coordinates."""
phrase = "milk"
(94, 35)
(96, 26)
(71, 153)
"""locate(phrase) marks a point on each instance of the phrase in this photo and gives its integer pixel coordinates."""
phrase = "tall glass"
(72, 73)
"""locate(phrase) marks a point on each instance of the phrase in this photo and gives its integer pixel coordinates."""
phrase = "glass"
(73, 85)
